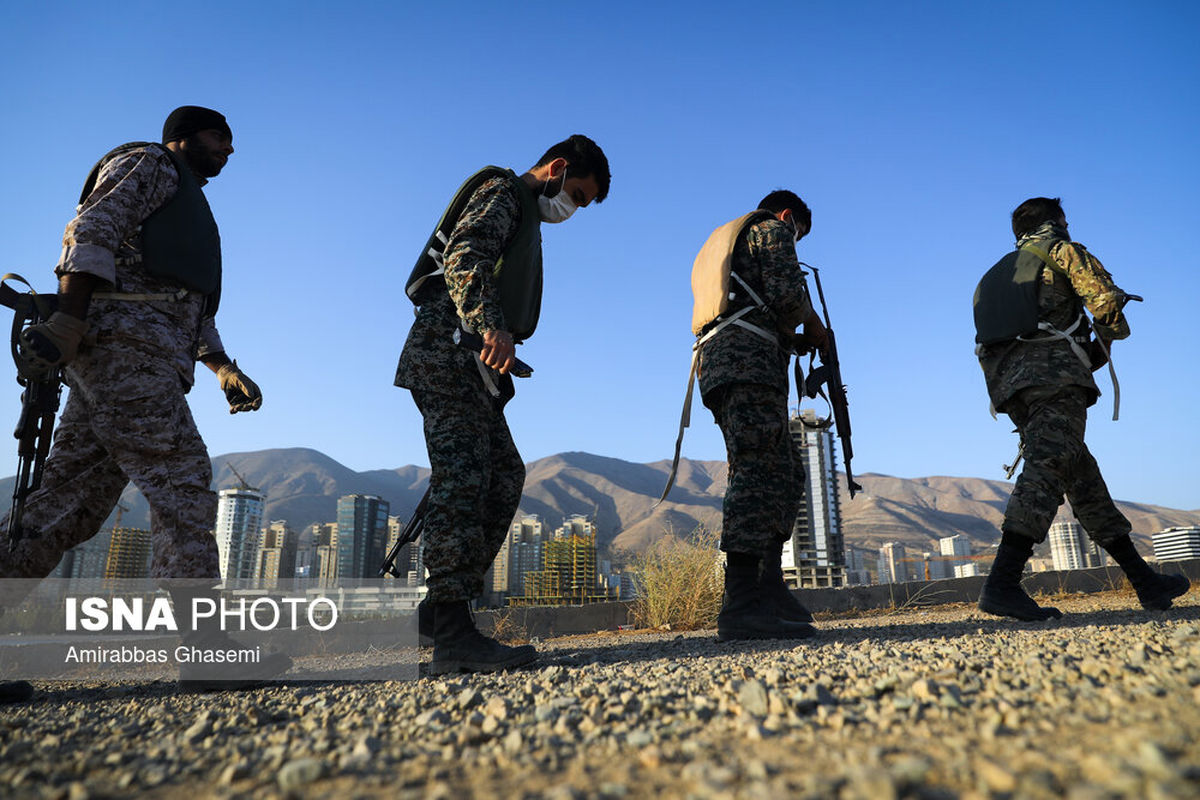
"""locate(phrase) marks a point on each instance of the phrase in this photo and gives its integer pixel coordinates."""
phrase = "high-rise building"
(575, 525)
(569, 574)
(239, 520)
(129, 554)
(856, 566)
(815, 556)
(951, 547)
(410, 560)
(276, 559)
(1093, 554)
(521, 553)
(892, 566)
(1177, 544)
(362, 529)
(316, 559)
(1065, 551)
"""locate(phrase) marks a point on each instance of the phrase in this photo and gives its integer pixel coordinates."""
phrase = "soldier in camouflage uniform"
(477, 475)
(1043, 381)
(128, 339)
(744, 382)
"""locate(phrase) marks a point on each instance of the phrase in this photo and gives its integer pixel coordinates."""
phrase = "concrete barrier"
(547, 621)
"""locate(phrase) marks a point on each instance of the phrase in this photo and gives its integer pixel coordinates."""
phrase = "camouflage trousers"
(1051, 421)
(475, 487)
(766, 479)
(126, 419)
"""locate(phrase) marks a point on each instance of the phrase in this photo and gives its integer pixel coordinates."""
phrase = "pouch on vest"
(711, 269)
(518, 271)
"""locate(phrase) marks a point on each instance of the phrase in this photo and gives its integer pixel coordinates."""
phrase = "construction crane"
(244, 484)
(121, 509)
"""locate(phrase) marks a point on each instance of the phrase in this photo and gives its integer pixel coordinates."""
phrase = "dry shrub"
(507, 630)
(679, 582)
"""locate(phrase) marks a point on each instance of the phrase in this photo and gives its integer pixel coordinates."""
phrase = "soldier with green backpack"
(1035, 345)
(477, 286)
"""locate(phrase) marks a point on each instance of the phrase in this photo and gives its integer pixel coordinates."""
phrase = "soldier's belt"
(135, 297)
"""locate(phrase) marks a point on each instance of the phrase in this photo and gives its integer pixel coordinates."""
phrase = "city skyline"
(893, 146)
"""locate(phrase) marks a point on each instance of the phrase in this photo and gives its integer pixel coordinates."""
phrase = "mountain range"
(302, 487)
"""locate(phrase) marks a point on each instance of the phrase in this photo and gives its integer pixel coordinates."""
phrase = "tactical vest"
(180, 241)
(711, 270)
(1006, 299)
(518, 272)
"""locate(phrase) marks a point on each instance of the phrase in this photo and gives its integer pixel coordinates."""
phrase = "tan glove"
(242, 393)
(50, 344)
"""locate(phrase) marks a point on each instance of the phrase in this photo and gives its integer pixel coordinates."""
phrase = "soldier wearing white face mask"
(480, 273)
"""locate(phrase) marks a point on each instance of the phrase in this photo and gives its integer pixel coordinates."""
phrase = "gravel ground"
(924, 703)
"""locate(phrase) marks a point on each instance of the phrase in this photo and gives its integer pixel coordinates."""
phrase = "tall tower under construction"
(815, 555)
(568, 575)
(129, 554)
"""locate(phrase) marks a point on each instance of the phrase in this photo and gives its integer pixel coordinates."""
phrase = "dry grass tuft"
(679, 582)
(507, 630)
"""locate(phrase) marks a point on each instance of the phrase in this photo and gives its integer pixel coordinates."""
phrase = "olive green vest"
(180, 241)
(1006, 299)
(518, 271)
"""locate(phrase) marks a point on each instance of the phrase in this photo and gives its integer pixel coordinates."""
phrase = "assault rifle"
(468, 341)
(830, 374)
(39, 400)
(410, 533)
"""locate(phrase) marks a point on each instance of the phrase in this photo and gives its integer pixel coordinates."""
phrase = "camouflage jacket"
(764, 257)
(430, 360)
(104, 239)
(1009, 367)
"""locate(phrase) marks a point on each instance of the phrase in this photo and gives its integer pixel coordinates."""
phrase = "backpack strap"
(1054, 333)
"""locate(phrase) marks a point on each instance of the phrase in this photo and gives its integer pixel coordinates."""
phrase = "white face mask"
(796, 234)
(559, 207)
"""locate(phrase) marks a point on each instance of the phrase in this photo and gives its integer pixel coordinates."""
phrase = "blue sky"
(912, 129)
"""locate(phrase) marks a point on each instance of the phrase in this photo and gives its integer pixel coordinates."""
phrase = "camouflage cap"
(186, 120)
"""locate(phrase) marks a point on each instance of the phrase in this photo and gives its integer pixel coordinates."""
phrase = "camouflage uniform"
(744, 382)
(477, 473)
(126, 416)
(1046, 389)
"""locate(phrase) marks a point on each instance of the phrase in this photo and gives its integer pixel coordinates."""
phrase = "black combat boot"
(458, 646)
(1002, 593)
(778, 596)
(745, 611)
(15, 691)
(425, 623)
(1155, 590)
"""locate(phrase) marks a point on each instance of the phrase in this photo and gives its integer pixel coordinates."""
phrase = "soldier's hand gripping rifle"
(468, 341)
(39, 400)
(829, 374)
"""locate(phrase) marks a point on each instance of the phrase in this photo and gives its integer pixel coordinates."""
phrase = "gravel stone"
(927, 703)
(296, 774)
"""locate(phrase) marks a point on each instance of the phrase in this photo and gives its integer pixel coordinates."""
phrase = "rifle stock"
(410, 533)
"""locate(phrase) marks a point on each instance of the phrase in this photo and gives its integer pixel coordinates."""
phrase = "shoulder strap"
(430, 263)
(94, 175)
(1046, 259)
